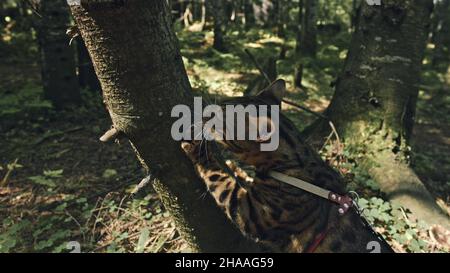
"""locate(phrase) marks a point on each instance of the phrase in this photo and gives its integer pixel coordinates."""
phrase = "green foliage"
(46, 232)
(392, 221)
(12, 236)
(47, 179)
(109, 173)
(362, 178)
(28, 99)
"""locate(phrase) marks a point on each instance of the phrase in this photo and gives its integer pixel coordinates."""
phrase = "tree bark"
(280, 11)
(141, 72)
(249, 13)
(57, 57)
(374, 103)
(299, 26)
(217, 8)
(308, 33)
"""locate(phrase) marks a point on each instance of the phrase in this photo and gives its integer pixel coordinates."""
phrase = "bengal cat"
(282, 217)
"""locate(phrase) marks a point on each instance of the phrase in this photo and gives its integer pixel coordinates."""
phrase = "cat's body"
(284, 218)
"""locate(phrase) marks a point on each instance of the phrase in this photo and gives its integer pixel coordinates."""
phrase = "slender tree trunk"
(217, 8)
(57, 57)
(298, 72)
(441, 35)
(308, 34)
(374, 104)
(249, 13)
(203, 15)
(299, 26)
(356, 4)
(141, 71)
(86, 73)
(187, 15)
(280, 16)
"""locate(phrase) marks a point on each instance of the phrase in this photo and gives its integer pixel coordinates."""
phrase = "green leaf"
(109, 173)
(53, 173)
(41, 180)
(142, 242)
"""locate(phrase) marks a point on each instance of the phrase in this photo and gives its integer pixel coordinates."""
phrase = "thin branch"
(305, 109)
(261, 70)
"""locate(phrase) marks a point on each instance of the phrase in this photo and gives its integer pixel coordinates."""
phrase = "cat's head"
(251, 123)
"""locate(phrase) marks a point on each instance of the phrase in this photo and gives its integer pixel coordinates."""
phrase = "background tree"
(249, 14)
(57, 58)
(441, 34)
(70, 176)
(86, 73)
(374, 103)
(308, 32)
(141, 83)
(217, 10)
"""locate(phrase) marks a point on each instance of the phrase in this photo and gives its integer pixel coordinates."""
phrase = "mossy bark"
(374, 103)
(137, 60)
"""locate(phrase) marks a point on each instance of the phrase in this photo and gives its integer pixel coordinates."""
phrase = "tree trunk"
(299, 26)
(308, 34)
(280, 11)
(249, 13)
(374, 104)
(141, 71)
(86, 73)
(298, 72)
(356, 4)
(57, 57)
(441, 35)
(217, 8)
(203, 15)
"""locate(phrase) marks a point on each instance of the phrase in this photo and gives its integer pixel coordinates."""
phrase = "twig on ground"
(57, 133)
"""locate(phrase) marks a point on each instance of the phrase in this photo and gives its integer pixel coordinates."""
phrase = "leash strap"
(344, 202)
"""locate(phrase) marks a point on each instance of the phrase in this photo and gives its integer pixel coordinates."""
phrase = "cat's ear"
(274, 92)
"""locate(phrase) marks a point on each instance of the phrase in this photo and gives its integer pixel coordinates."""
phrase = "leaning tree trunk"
(141, 72)
(374, 103)
(57, 57)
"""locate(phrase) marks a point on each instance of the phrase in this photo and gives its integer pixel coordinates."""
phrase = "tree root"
(402, 186)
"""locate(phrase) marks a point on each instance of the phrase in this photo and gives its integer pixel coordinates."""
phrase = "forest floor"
(59, 183)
